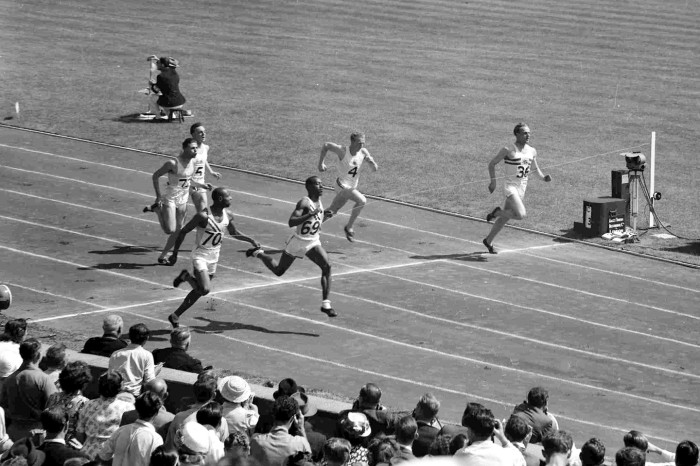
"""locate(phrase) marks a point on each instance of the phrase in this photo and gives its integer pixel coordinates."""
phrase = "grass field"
(436, 85)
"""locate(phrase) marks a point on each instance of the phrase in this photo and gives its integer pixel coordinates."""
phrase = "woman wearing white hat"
(239, 411)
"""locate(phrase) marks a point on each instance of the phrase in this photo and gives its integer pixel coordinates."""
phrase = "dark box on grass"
(602, 215)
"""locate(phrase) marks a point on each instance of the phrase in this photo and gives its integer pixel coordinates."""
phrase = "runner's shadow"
(138, 250)
(119, 266)
(219, 326)
(479, 256)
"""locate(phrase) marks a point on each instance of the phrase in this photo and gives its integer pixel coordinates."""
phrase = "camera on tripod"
(635, 160)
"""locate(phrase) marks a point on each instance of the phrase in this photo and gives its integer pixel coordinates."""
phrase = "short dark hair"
(429, 405)
(686, 453)
(458, 442)
(55, 357)
(284, 408)
(382, 450)
(516, 428)
(538, 397)
(440, 446)
(559, 441)
(630, 456)
(53, 420)
(371, 393)
(16, 329)
(139, 334)
(30, 349)
(405, 429)
(355, 135)
(337, 450)
(195, 126)
(210, 414)
(147, 405)
(163, 457)
(518, 127)
(204, 389)
(75, 376)
(470, 410)
(109, 384)
(310, 180)
(636, 439)
(592, 453)
(481, 423)
(187, 142)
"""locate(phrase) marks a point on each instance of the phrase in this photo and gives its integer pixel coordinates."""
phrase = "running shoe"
(493, 213)
(174, 320)
(330, 312)
(349, 234)
(490, 247)
(251, 251)
(184, 275)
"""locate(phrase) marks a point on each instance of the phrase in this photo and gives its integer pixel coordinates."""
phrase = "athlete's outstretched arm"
(539, 172)
(298, 216)
(492, 167)
(237, 234)
(167, 167)
(370, 161)
(329, 146)
(199, 220)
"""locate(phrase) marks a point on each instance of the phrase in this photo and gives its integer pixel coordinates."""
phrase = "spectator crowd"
(46, 420)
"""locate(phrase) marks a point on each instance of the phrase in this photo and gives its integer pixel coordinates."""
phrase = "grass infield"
(436, 85)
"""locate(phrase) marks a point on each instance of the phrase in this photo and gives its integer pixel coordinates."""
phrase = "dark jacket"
(168, 83)
(104, 345)
(58, 453)
(177, 358)
(536, 418)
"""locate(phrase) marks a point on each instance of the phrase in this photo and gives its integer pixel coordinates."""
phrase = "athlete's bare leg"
(360, 201)
(179, 220)
(199, 199)
(201, 285)
(278, 268)
(319, 257)
(513, 209)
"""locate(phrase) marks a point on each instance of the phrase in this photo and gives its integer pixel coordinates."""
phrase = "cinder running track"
(422, 308)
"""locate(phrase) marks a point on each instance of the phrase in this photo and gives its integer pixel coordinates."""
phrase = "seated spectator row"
(45, 418)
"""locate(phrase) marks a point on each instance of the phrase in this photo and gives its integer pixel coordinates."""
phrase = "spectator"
(163, 457)
(381, 421)
(425, 414)
(630, 456)
(110, 341)
(239, 411)
(406, 430)
(480, 424)
(317, 440)
(518, 433)
(55, 423)
(383, 451)
(100, 418)
(592, 453)
(162, 420)
(210, 416)
(686, 454)
(134, 363)
(5, 442)
(23, 448)
(204, 391)
(54, 361)
(26, 392)
(534, 412)
(355, 428)
(133, 444)
(459, 442)
(636, 439)
(275, 448)
(176, 357)
(237, 444)
(10, 359)
(73, 380)
(557, 447)
(441, 445)
(166, 90)
(192, 444)
(336, 452)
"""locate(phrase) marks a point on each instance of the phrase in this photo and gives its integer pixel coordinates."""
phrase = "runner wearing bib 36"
(350, 161)
(518, 161)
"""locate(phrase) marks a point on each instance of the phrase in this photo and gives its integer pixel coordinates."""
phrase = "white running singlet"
(518, 166)
(349, 167)
(310, 228)
(200, 161)
(209, 238)
(177, 189)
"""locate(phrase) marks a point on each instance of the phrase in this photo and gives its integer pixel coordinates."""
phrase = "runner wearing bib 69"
(349, 162)
(211, 224)
(518, 160)
(307, 218)
(201, 165)
(171, 205)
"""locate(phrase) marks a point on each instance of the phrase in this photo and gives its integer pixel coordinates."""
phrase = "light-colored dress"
(72, 405)
(98, 420)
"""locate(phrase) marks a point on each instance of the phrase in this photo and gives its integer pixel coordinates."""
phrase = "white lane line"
(86, 267)
(417, 263)
(457, 263)
(398, 226)
(127, 308)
